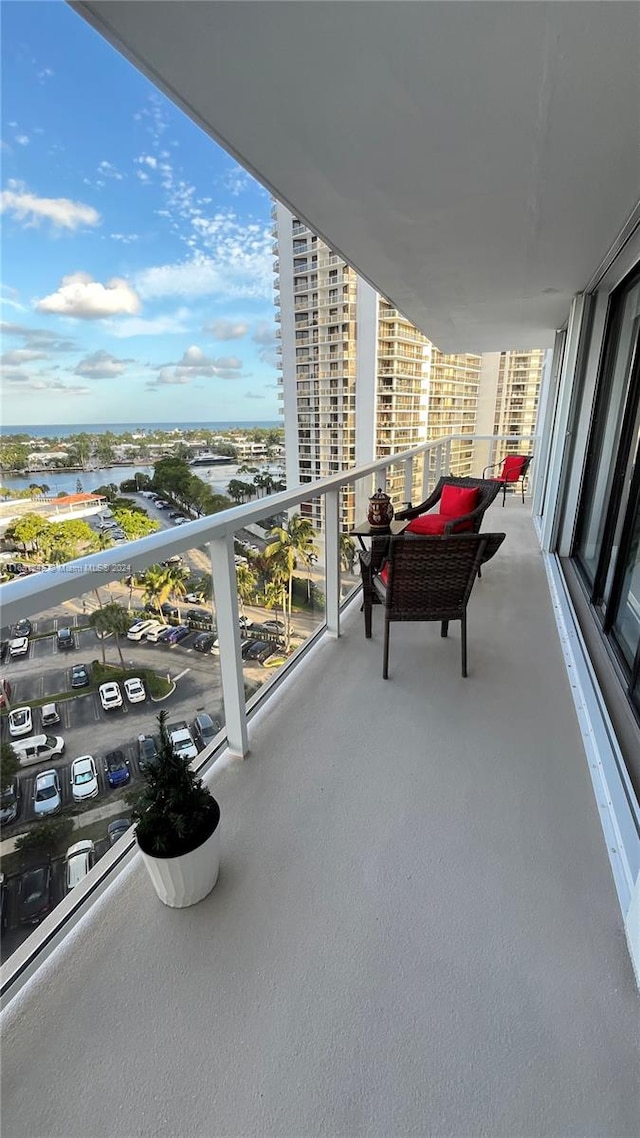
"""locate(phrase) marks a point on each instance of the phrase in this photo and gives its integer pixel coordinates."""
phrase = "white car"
(110, 695)
(135, 690)
(193, 598)
(19, 646)
(180, 521)
(79, 860)
(47, 796)
(20, 721)
(140, 629)
(84, 778)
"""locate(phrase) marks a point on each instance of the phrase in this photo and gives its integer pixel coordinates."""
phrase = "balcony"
(413, 889)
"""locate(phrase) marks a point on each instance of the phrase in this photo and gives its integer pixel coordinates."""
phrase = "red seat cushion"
(455, 501)
(511, 468)
(384, 573)
(428, 523)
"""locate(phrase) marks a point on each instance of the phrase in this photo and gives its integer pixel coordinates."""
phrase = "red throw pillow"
(455, 501)
(428, 523)
(384, 573)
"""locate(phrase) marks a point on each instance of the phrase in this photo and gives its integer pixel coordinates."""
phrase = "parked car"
(139, 630)
(110, 695)
(147, 751)
(34, 893)
(273, 625)
(174, 635)
(258, 649)
(193, 598)
(47, 795)
(20, 721)
(175, 514)
(205, 728)
(175, 560)
(156, 633)
(199, 616)
(116, 768)
(205, 641)
(245, 622)
(80, 676)
(84, 778)
(10, 802)
(245, 646)
(49, 714)
(22, 628)
(180, 521)
(38, 748)
(65, 639)
(167, 609)
(116, 829)
(79, 859)
(134, 690)
(19, 646)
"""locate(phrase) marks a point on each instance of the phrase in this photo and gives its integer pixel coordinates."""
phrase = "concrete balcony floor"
(415, 930)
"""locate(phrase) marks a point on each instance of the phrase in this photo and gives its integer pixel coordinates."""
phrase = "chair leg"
(444, 628)
(385, 656)
(522, 484)
(504, 493)
(463, 642)
(367, 617)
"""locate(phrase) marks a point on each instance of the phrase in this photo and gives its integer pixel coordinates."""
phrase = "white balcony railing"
(45, 591)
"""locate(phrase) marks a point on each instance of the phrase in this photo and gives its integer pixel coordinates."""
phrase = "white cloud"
(61, 212)
(253, 395)
(22, 139)
(108, 170)
(82, 297)
(170, 324)
(40, 339)
(264, 333)
(20, 381)
(235, 180)
(226, 329)
(195, 364)
(19, 356)
(147, 160)
(45, 74)
(125, 238)
(101, 365)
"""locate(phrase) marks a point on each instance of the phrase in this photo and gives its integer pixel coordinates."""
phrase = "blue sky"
(137, 280)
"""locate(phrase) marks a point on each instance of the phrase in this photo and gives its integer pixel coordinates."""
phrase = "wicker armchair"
(487, 492)
(429, 578)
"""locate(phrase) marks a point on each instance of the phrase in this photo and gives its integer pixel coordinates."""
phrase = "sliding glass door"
(607, 543)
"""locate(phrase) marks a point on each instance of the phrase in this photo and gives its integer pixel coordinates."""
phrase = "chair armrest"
(492, 467)
(414, 511)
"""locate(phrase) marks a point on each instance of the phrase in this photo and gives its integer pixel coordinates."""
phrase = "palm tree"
(347, 552)
(246, 581)
(114, 619)
(290, 541)
(178, 577)
(157, 587)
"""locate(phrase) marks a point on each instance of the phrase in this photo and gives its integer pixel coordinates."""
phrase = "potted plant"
(178, 827)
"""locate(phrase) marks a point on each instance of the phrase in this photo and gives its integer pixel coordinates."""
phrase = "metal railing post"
(332, 561)
(223, 575)
(408, 479)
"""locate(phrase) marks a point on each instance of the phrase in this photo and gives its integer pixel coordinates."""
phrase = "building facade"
(359, 381)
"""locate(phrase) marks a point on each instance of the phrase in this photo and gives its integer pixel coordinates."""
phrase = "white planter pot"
(185, 880)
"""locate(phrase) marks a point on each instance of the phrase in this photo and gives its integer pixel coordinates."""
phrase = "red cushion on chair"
(384, 573)
(456, 501)
(428, 523)
(512, 468)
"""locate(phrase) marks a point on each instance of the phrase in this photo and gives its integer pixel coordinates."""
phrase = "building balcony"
(414, 904)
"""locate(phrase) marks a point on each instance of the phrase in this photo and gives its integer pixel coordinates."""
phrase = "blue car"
(116, 768)
(173, 635)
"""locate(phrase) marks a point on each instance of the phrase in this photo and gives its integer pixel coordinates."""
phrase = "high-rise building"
(359, 381)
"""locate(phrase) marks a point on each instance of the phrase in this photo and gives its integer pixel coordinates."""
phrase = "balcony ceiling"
(474, 161)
